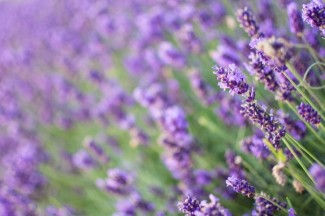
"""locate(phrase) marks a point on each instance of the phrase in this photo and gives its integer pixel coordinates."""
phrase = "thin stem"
(309, 69)
(303, 94)
(298, 159)
(305, 150)
(295, 73)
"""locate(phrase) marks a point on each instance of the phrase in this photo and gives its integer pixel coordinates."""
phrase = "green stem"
(306, 151)
(295, 73)
(298, 159)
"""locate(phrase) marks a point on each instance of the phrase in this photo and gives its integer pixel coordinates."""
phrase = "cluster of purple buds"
(276, 51)
(118, 182)
(263, 73)
(193, 207)
(318, 173)
(309, 114)
(241, 186)
(247, 22)
(314, 14)
(267, 122)
(264, 207)
(231, 78)
(234, 79)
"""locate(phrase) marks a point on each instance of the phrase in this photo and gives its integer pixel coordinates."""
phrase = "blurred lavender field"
(162, 107)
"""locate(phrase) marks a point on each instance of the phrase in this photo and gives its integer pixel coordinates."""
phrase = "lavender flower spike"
(314, 14)
(247, 22)
(309, 114)
(295, 19)
(318, 174)
(231, 78)
(241, 186)
(190, 206)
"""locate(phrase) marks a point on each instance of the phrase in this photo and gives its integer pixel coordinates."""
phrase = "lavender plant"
(111, 108)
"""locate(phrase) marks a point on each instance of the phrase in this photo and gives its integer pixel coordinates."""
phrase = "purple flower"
(212, 208)
(309, 114)
(247, 22)
(231, 78)
(264, 207)
(296, 128)
(118, 182)
(82, 160)
(273, 130)
(295, 20)
(263, 74)
(189, 206)
(291, 212)
(241, 186)
(255, 145)
(314, 14)
(170, 55)
(318, 173)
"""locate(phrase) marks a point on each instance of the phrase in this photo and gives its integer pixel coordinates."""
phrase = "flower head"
(241, 186)
(309, 114)
(247, 22)
(314, 14)
(231, 78)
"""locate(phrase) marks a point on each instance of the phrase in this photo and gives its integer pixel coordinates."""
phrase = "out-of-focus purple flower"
(62, 211)
(234, 163)
(225, 55)
(95, 149)
(212, 208)
(83, 160)
(295, 20)
(170, 55)
(309, 114)
(229, 111)
(314, 14)
(247, 22)
(265, 11)
(241, 186)
(189, 40)
(265, 207)
(297, 128)
(189, 206)
(318, 173)
(202, 88)
(203, 177)
(291, 212)
(118, 182)
(255, 145)
(284, 92)
(231, 78)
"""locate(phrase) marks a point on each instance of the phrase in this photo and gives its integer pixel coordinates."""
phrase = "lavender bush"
(152, 107)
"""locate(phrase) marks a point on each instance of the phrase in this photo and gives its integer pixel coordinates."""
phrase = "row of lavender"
(111, 107)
